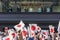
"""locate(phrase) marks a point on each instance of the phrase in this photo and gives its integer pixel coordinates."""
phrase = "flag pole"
(53, 36)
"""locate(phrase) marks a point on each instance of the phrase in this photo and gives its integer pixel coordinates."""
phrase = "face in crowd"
(6, 29)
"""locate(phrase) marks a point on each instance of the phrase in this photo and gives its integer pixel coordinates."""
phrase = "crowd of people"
(37, 36)
(29, 34)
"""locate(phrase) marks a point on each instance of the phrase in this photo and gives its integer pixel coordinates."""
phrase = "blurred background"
(29, 5)
(42, 12)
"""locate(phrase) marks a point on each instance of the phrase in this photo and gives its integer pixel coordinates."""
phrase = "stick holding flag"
(51, 31)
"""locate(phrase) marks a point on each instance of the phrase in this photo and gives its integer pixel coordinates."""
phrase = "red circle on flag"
(33, 28)
(13, 34)
(52, 30)
(44, 36)
(32, 33)
(38, 28)
(44, 33)
(24, 33)
(18, 25)
(7, 38)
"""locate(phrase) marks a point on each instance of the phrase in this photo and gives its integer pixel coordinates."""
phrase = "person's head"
(5, 29)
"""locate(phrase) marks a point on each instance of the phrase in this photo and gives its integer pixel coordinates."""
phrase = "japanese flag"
(32, 34)
(24, 32)
(38, 29)
(33, 27)
(12, 33)
(44, 33)
(19, 26)
(58, 28)
(11, 30)
(7, 38)
(51, 29)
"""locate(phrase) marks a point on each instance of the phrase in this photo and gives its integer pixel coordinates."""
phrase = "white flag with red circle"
(7, 38)
(38, 29)
(33, 27)
(32, 34)
(51, 29)
(24, 32)
(19, 26)
(45, 34)
(12, 33)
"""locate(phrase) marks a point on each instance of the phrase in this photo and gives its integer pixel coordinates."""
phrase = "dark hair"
(36, 33)
(50, 36)
(4, 28)
(19, 31)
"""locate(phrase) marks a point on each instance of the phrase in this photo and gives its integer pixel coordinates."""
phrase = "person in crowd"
(40, 9)
(18, 9)
(9, 9)
(5, 30)
(30, 10)
(36, 36)
(19, 34)
(31, 38)
(57, 35)
(26, 9)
